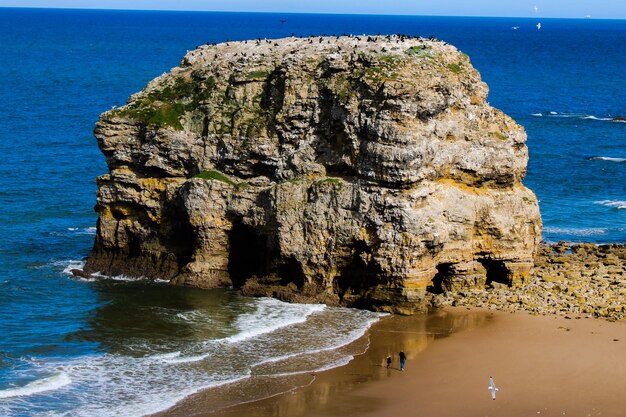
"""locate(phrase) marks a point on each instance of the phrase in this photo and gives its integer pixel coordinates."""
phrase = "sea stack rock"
(357, 171)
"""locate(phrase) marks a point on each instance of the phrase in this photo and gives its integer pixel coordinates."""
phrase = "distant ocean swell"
(616, 204)
(583, 116)
(553, 234)
(607, 159)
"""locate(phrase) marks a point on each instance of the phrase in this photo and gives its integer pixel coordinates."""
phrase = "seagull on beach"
(492, 388)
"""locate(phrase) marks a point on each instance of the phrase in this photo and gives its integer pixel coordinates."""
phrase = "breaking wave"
(591, 231)
(607, 158)
(617, 204)
(52, 383)
(582, 116)
(270, 339)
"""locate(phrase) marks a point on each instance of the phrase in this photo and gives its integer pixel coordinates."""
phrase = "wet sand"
(548, 366)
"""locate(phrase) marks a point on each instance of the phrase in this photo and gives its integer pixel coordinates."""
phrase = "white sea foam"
(113, 384)
(270, 316)
(192, 316)
(342, 361)
(620, 205)
(165, 356)
(51, 383)
(345, 340)
(574, 116)
(127, 278)
(121, 277)
(603, 119)
(186, 359)
(70, 264)
(83, 230)
(607, 158)
(592, 231)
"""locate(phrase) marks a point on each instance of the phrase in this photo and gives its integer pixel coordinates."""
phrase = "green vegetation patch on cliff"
(455, 68)
(218, 176)
(166, 106)
(423, 51)
(257, 74)
(330, 181)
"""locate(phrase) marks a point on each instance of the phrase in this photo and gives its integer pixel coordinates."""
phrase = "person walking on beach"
(388, 361)
(402, 359)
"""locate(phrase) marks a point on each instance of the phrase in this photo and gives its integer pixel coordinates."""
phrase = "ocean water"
(120, 346)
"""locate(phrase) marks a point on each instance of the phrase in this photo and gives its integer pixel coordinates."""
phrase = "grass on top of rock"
(218, 176)
(455, 68)
(165, 106)
(423, 51)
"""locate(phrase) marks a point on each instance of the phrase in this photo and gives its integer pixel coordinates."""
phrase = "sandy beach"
(542, 365)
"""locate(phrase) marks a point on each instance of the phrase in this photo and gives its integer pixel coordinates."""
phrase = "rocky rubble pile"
(580, 280)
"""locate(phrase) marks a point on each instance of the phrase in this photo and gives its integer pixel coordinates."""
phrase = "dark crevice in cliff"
(333, 149)
(181, 242)
(290, 271)
(496, 272)
(261, 168)
(152, 172)
(357, 276)
(272, 99)
(129, 210)
(248, 254)
(251, 256)
(444, 272)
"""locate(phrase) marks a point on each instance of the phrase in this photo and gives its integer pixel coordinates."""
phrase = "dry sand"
(543, 366)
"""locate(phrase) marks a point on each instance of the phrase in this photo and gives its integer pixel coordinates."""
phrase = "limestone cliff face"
(351, 171)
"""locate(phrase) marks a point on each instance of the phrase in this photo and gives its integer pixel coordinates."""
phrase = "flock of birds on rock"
(328, 38)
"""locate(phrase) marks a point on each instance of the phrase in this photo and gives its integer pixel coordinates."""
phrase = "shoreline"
(543, 365)
(387, 336)
(575, 289)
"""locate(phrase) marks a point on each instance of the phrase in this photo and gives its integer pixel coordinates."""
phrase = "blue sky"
(547, 8)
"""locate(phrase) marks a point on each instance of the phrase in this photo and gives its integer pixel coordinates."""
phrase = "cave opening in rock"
(181, 237)
(357, 276)
(248, 254)
(496, 272)
(290, 271)
(444, 272)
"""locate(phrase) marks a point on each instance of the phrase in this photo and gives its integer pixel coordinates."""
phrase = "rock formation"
(575, 281)
(358, 171)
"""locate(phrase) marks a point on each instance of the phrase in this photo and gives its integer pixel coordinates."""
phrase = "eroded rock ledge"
(356, 171)
(571, 280)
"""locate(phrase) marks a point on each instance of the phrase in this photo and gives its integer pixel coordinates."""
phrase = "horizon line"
(586, 17)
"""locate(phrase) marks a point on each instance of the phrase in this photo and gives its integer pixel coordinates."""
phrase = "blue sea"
(120, 346)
